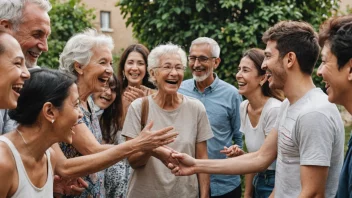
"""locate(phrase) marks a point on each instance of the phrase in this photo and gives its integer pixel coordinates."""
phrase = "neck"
(83, 90)
(297, 86)
(201, 85)
(257, 99)
(34, 140)
(347, 102)
(168, 101)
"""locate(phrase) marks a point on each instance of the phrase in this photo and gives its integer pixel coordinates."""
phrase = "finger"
(168, 136)
(75, 190)
(175, 170)
(140, 92)
(130, 96)
(171, 166)
(82, 183)
(163, 131)
(57, 178)
(149, 126)
(177, 156)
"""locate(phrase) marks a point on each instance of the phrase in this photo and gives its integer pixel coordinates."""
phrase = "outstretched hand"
(185, 164)
(149, 140)
(232, 151)
(69, 186)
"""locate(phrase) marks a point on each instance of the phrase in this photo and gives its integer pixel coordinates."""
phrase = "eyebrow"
(19, 57)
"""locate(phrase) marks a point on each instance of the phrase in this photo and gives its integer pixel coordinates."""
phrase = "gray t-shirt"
(155, 179)
(6, 124)
(255, 135)
(310, 132)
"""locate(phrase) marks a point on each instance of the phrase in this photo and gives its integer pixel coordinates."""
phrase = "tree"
(235, 24)
(66, 18)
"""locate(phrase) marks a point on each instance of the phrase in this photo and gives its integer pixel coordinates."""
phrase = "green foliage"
(235, 24)
(67, 18)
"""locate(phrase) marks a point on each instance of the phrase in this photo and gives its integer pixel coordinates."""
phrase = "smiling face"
(273, 65)
(13, 72)
(99, 70)
(68, 115)
(32, 33)
(104, 99)
(168, 82)
(248, 77)
(135, 69)
(336, 81)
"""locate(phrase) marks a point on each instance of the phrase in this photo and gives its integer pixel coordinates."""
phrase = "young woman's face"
(105, 98)
(69, 114)
(247, 77)
(135, 69)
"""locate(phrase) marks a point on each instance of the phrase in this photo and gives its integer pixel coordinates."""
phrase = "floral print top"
(96, 180)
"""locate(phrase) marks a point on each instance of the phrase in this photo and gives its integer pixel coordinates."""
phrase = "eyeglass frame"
(199, 60)
(170, 69)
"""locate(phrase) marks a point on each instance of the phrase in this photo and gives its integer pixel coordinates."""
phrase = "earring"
(123, 76)
(52, 121)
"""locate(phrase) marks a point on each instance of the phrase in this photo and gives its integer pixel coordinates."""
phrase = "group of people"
(144, 132)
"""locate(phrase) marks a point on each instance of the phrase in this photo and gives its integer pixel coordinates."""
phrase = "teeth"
(134, 75)
(241, 83)
(34, 54)
(17, 86)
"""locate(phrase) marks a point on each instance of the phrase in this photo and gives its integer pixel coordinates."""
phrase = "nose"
(25, 73)
(319, 73)
(264, 66)
(109, 71)
(108, 90)
(196, 62)
(43, 45)
(173, 71)
(238, 75)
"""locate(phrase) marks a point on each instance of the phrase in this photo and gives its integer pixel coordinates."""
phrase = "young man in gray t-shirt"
(308, 136)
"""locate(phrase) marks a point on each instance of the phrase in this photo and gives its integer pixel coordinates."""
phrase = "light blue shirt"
(222, 103)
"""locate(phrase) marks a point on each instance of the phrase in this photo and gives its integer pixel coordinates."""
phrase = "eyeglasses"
(169, 68)
(201, 59)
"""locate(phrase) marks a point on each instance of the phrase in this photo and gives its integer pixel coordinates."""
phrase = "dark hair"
(257, 56)
(144, 52)
(111, 119)
(297, 37)
(337, 32)
(45, 85)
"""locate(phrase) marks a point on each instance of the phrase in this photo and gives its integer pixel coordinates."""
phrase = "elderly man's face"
(201, 62)
(13, 72)
(32, 33)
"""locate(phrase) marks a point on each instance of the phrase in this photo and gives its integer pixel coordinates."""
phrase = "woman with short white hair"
(167, 107)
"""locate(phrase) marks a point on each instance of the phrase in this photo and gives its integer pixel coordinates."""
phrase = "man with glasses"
(222, 103)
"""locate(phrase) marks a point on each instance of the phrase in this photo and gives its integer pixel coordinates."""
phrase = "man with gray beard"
(222, 103)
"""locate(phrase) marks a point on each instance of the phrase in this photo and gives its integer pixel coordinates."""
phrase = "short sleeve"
(204, 130)
(270, 119)
(314, 136)
(132, 124)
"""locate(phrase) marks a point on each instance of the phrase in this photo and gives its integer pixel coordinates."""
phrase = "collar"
(211, 87)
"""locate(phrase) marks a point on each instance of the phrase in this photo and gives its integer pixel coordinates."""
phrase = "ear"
(78, 68)
(6, 24)
(291, 59)
(217, 62)
(152, 74)
(349, 67)
(263, 79)
(49, 111)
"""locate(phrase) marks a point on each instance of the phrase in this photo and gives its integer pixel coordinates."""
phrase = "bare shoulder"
(8, 171)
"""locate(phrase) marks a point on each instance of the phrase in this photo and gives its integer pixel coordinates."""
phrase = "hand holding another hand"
(232, 151)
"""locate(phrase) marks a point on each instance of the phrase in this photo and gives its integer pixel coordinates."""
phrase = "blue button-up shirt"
(345, 182)
(222, 103)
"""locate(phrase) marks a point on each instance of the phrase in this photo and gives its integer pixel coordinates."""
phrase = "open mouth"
(241, 84)
(134, 75)
(34, 54)
(105, 98)
(104, 80)
(17, 88)
(173, 82)
(199, 69)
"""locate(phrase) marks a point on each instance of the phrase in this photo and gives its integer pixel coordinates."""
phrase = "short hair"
(257, 56)
(12, 10)
(162, 50)
(337, 33)
(35, 93)
(144, 51)
(2, 46)
(79, 49)
(214, 46)
(297, 37)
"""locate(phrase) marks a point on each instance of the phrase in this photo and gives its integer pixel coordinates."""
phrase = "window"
(105, 21)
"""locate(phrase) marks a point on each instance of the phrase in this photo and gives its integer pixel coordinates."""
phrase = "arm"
(248, 163)
(84, 141)
(9, 178)
(248, 192)
(139, 159)
(80, 166)
(313, 181)
(203, 179)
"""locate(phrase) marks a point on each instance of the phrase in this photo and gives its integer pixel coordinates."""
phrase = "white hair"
(12, 10)
(214, 46)
(79, 49)
(162, 50)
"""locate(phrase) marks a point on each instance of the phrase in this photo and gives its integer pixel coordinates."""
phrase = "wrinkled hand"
(163, 153)
(149, 140)
(132, 93)
(232, 151)
(69, 186)
(185, 164)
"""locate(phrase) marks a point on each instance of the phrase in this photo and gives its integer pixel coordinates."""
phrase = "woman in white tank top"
(258, 114)
(47, 111)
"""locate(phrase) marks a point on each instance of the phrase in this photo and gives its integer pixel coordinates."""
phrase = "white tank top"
(25, 187)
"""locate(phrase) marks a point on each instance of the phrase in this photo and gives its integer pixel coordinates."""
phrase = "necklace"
(25, 143)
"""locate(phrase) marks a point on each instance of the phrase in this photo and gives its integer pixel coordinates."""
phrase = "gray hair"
(79, 49)
(12, 10)
(214, 46)
(162, 50)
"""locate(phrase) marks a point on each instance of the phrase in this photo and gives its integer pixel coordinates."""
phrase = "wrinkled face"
(135, 69)
(248, 77)
(336, 81)
(32, 33)
(201, 62)
(104, 99)
(169, 74)
(69, 114)
(99, 69)
(274, 67)
(13, 72)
